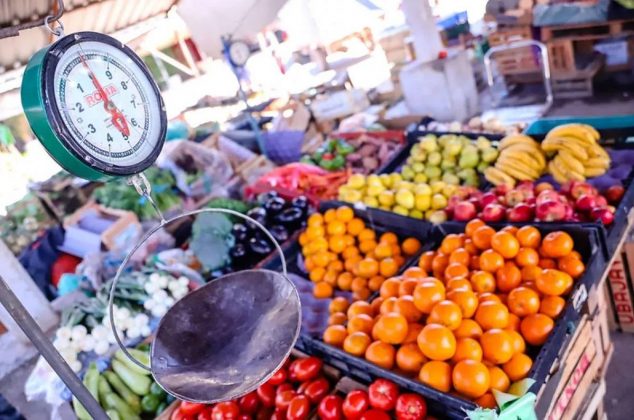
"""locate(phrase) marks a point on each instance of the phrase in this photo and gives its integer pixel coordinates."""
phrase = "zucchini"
(139, 384)
(124, 392)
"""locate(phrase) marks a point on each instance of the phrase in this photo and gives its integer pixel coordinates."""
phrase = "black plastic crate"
(587, 243)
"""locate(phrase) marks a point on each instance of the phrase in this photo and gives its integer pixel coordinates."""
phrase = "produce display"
(24, 222)
(475, 125)
(341, 252)
(471, 315)
(125, 391)
(450, 158)
(363, 154)
(576, 201)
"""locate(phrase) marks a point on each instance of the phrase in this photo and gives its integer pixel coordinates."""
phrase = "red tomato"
(191, 409)
(410, 407)
(317, 390)
(302, 387)
(330, 408)
(306, 369)
(264, 413)
(383, 394)
(284, 387)
(355, 404)
(228, 410)
(284, 398)
(292, 375)
(287, 363)
(249, 403)
(266, 394)
(205, 414)
(375, 415)
(299, 408)
(244, 417)
(278, 414)
(178, 415)
(278, 377)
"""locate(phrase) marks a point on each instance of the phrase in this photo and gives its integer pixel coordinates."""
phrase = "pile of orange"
(341, 252)
(463, 318)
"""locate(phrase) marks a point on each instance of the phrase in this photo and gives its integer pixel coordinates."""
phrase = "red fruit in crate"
(550, 211)
(488, 198)
(604, 216)
(543, 186)
(493, 212)
(464, 211)
(330, 408)
(476, 203)
(453, 202)
(278, 377)
(530, 201)
(306, 369)
(586, 203)
(601, 201)
(514, 197)
(580, 188)
(614, 194)
(225, 410)
(383, 394)
(356, 403)
(266, 393)
(249, 403)
(501, 190)
(520, 213)
(317, 390)
(283, 399)
(569, 212)
(410, 407)
(299, 408)
(375, 415)
(548, 195)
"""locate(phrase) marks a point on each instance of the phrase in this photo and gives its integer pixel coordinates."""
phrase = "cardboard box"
(620, 282)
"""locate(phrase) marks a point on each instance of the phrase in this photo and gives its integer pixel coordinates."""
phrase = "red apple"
(522, 212)
(493, 212)
(464, 211)
(604, 216)
(547, 195)
(569, 212)
(514, 197)
(476, 203)
(614, 194)
(550, 211)
(580, 188)
(543, 186)
(586, 203)
(488, 198)
(501, 189)
(601, 201)
(453, 201)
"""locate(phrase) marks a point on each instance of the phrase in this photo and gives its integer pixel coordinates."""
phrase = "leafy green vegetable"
(212, 240)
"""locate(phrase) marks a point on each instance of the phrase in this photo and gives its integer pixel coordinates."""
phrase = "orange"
(575, 254)
(321, 259)
(315, 219)
(471, 227)
(414, 273)
(492, 315)
(482, 237)
(527, 257)
(503, 298)
(514, 323)
(350, 252)
(358, 283)
(437, 342)
(483, 282)
(552, 306)
(336, 244)
(411, 246)
(474, 262)
(349, 240)
(330, 215)
(413, 329)
(530, 272)
(519, 345)
(470, 247)
(459, 284)
(456, 271)
(491, 261)
(508, 277)
(383, 250)
(471, 378)
(388, 305)
(361, 294)
(487, 401)
(360, 323)
(322, 290)
(536, 328)
(391, 328)
(518, 367)
(425, 261)
(376, 305)
(499, 379)
(317, 274)
(303, 238)
(336, 265)
(358, 308)
(314, 232)
(336, 227)
(571, 265)
(437, 375)
(547, 263)
(529, 237)
(389, 237)
(389, 288)
(407, 285)
(553, 282)
(467, 349)
(497, 346)
(427, 294)
(344, 214)
(374, 284)
(338, 304)
(337, 318)
(399, 260)
(331, 277)
(488, 297)
(367, 245)
(445, 313)
(351, 263)
(344, 281)
(409, 358)
(356, 343)
(450, 243)
(468, 328)
(355, 226)
(523, 301)
(460, 256)
(405, 306)
(388, 267)
(367, 268)
(381, 354)
(309, 264)
(557, 244)
(466, 300)
(396, 250)
(335, 335)
(505, 244)
(367, 235)
(439, 263)
(510, 229)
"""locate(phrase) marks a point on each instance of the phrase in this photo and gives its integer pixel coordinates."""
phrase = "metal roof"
(106, 16)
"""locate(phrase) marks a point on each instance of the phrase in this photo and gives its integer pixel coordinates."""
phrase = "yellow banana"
(563, 143)
(597, 162)
(514, 171)
(598, 151)
(566, 171)
(515, 139)
(573, 130)
(556, 173)
(497, 177)
(521, 152)
(568, 160)
(505, 161)
(591, 172)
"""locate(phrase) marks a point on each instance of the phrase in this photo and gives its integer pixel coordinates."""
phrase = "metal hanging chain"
(143, 187)
(58, 11)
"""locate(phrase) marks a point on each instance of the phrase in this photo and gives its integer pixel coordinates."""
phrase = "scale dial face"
(103, 103)
(239, 53)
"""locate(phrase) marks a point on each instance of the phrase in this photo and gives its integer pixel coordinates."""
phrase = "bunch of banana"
(520, 159)
(575, 153)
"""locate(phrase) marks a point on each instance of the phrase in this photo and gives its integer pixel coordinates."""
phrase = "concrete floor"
(618, 402)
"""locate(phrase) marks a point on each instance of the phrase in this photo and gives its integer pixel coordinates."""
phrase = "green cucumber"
(114, 402)
(124, 392)
(139, 384)
(91, 380)
(113, 414)
(141, 356)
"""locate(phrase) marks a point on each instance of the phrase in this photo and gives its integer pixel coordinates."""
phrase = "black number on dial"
(133, 121)
(92, 128)
(124, 85)
(109, 137)
(80, 88)
(108, 74)
(79, 107)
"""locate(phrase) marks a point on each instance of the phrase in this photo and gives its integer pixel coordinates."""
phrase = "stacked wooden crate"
(520, 65)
